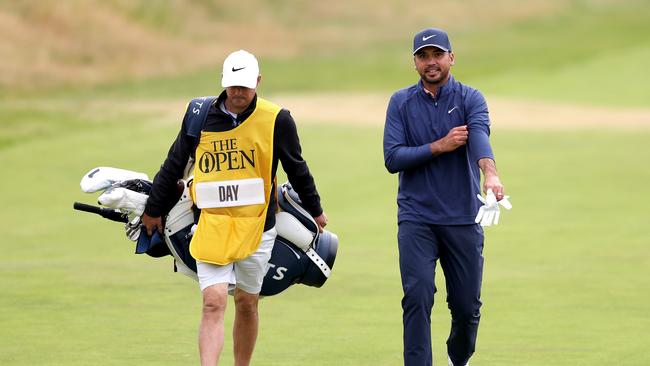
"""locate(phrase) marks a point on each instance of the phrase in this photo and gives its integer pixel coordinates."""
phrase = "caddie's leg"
(245, 327)
(215, 298)
(249, 274)
(214, 281)
(461, 258)
(418, 252)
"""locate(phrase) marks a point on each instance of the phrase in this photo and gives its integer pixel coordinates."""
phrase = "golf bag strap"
(318, 261)
(197, 113)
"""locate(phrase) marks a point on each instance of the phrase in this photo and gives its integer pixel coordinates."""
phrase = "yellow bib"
(232, 186)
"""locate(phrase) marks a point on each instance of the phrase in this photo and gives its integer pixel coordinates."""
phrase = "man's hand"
(321, 221)
(493, 183)
(456, 138)
(491, 179)
(151, 223)
(488, 214)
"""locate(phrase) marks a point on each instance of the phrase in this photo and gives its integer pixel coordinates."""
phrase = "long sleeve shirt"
(286, 150)
(436, 189)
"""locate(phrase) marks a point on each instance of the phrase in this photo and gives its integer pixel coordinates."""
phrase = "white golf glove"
(488, 214)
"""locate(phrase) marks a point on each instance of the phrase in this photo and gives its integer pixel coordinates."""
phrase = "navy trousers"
(460, 250)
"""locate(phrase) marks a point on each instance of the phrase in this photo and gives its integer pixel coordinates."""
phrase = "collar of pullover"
(445, 89)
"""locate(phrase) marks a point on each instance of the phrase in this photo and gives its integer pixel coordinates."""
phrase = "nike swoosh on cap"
(234, 70)
(431, 36)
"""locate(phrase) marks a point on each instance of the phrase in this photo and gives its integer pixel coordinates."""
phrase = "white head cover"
(240, 69)
(103, 177)
(125, 200)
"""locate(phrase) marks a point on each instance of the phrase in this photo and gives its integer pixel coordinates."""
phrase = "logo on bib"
(226, 156)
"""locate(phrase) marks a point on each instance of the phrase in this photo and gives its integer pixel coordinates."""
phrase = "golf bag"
(301, 253)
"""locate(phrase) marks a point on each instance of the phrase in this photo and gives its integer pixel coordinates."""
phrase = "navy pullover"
(442, 189)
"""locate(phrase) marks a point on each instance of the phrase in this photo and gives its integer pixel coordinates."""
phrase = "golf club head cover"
(103, 177)
(124, 199)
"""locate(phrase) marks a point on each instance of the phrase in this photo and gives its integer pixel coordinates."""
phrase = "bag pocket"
(222, 239)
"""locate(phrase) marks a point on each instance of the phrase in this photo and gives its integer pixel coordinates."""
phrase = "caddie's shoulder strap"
(197, 113)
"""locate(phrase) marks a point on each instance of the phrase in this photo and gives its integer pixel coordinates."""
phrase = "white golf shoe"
(452, 364)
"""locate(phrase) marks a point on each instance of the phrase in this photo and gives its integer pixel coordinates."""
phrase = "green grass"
(567, 271)
(565, 280)
(589, 54)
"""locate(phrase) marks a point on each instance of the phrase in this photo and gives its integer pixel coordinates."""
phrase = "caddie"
(236, 148)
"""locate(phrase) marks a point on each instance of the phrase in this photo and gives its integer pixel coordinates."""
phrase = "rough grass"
(47, 44)
(503, 47)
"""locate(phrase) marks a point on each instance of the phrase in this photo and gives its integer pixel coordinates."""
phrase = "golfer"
(437, 138)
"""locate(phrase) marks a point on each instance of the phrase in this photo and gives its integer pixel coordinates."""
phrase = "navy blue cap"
(431, 37)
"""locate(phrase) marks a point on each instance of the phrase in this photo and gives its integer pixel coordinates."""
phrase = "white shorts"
(246, 274)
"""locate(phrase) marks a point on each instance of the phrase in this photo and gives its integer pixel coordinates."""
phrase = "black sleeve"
(164, 192)
(287, 149)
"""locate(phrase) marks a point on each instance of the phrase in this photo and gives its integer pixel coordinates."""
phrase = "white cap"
(240, 68)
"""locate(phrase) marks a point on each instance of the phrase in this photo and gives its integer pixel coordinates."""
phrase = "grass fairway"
(567, 272)
(565, 279)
